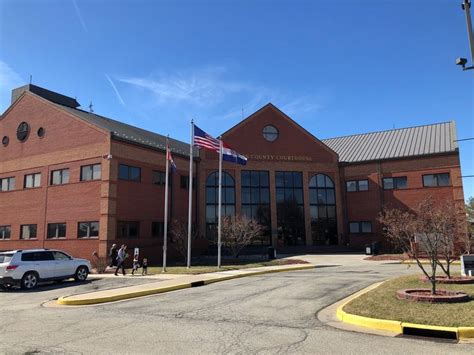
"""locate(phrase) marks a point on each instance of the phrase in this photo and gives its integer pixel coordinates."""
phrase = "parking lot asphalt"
(267, 314)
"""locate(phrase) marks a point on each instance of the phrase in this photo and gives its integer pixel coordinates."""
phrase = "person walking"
(121, 256)
(113, 255)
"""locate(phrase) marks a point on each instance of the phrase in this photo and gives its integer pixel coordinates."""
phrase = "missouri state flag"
(228, 154)
(171, 160)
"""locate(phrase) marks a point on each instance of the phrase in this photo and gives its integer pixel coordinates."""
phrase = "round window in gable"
(41, 132)
(270, 133)
(23, 131)
(5, 141)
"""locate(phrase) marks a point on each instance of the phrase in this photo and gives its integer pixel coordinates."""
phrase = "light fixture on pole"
(466, 6)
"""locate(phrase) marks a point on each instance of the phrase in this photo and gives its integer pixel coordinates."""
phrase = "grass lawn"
(226, 265)
(382, 303)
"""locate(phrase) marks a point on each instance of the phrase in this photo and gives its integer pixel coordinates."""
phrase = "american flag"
(204, 140)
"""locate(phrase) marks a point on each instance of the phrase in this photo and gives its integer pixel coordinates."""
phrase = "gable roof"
(397, 143)
(118, 130)
(123, 131)
(288, 118)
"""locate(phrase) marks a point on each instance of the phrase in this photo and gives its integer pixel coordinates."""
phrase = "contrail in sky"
(78, 12)
(115, 89)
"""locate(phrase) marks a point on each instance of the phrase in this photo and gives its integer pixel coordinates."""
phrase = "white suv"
(27, 268)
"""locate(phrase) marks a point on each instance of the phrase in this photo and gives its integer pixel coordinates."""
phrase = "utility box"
(467, 265)
(368, 249)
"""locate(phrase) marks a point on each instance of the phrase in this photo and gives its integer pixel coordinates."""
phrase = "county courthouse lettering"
(278, 157)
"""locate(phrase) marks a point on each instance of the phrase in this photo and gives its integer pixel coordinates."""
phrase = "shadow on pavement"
(48, 286)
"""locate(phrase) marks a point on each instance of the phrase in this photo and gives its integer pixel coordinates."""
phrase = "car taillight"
(11, 267)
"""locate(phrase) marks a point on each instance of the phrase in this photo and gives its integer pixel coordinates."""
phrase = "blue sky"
(336, 67)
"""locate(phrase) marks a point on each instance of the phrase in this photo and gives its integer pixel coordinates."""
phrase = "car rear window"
(5, 258)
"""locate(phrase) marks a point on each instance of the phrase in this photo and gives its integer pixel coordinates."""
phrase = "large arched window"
(212, 200)
(322, 201)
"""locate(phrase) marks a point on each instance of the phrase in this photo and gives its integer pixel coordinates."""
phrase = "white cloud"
(9, 80)
(203, 87)
(117, 93)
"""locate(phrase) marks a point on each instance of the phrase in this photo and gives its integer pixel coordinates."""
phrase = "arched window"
(212, 200)
(322, 201)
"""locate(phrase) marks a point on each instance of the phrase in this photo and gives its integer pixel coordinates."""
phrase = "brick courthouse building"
(77, 181)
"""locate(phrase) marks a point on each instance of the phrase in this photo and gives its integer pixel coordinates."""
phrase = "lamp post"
(466, 6)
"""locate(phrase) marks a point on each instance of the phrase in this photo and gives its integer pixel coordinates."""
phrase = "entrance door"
(290, 208)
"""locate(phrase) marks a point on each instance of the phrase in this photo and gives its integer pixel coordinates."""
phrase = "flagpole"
(165, 229)
(219, 225)
(190, 199)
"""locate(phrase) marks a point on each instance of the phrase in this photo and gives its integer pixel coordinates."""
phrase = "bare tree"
(179, 237)
(238, 232)
(406, 229)
(447, 221)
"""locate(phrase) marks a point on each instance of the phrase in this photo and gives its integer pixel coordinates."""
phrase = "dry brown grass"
(382, 303)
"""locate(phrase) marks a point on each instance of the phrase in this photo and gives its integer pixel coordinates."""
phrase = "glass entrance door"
(290, 208)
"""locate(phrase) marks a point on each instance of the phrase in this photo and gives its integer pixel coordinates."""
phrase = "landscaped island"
(382, 303)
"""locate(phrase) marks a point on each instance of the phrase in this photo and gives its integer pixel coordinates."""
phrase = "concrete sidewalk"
(176, 282)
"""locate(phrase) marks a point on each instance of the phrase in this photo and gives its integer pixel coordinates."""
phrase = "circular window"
(5, 140)
(23, 131)
(41, 132)
(270, 133)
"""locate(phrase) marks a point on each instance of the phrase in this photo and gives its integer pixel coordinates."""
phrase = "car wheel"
(81, 273)
(29, 280)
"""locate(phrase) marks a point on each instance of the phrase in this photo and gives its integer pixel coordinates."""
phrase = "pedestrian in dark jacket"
(113, 255)
(121, 256)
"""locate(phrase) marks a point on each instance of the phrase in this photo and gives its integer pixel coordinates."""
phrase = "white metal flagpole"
(190, 212)
(165, 229)
(219, 237)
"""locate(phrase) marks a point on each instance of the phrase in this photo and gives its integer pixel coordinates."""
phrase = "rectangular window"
(32, 180)
(158, 178)
(360, 227)
(91, 172)
(60, 177)
(157, 229)
(436, 180)
(5, 232)
(128, 229)
(395, 183)
(28, 231)
(130, 173)
(7, 184)
(184, 182)
(357, 185)
(56, 230)
(351, 186)
(88, 229)
(256, 201)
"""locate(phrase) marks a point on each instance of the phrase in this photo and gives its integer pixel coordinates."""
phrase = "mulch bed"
(425, 295)
(459, 280)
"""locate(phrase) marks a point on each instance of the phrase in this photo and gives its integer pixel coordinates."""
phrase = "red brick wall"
(68, 143)
(366, 205)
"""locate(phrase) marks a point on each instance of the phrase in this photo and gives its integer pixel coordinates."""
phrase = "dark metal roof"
(397, 143)
(130, 133)
(44, 93)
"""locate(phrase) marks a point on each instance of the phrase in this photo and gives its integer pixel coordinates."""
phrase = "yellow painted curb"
(67, 301)
(394, 326)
